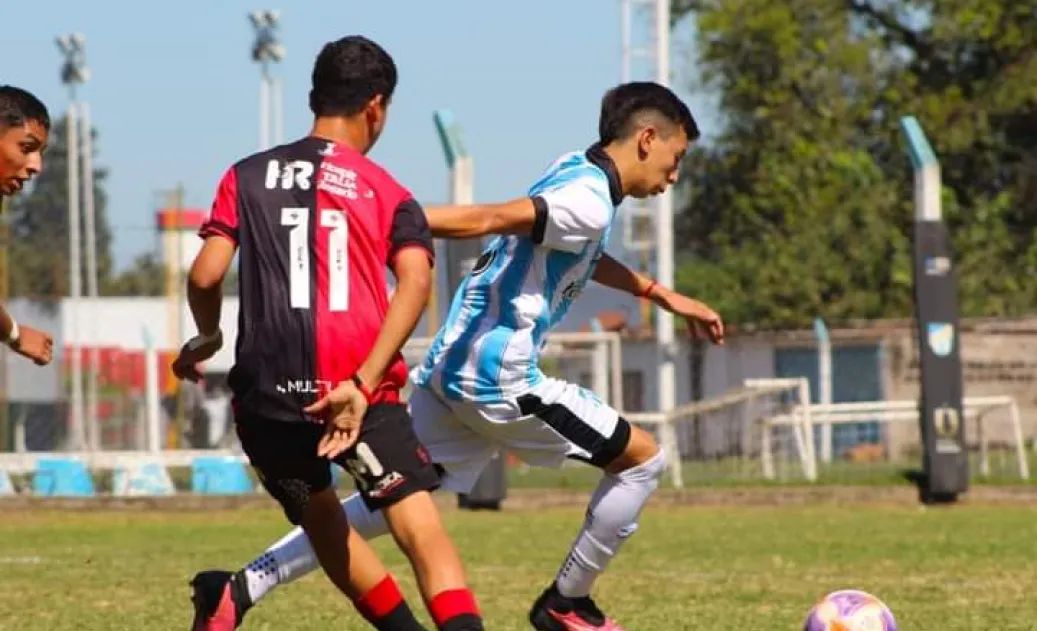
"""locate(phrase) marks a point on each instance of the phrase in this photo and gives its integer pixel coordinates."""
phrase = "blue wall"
(856, 376)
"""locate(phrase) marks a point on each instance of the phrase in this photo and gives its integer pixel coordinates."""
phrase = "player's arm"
(210, 267)
(612, 273)
(410, 258)
(205, 282)
(26, 341)
(563, 219)
(464, 222)
(701, 319)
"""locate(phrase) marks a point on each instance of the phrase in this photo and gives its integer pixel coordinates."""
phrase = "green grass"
(711, 568)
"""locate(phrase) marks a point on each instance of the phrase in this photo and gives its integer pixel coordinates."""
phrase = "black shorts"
(388, 463)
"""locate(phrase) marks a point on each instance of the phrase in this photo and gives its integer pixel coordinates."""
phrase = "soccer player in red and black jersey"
(24, 127)
(318, 369)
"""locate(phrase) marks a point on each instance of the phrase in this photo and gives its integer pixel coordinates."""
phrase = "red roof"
(180, 218)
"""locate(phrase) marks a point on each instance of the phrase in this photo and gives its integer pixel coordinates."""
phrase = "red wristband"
(362, 388)
(647, 293)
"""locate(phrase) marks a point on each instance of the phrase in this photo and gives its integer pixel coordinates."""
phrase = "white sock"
(291, 557)
(611, 519)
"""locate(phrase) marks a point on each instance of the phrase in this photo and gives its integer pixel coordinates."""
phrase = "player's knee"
(641, 448)
(648, 472)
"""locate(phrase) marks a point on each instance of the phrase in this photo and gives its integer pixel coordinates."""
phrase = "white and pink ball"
(850, 610)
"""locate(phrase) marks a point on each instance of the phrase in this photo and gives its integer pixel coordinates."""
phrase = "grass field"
(947, 569)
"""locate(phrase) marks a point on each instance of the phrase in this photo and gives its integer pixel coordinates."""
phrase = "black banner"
(945, 459)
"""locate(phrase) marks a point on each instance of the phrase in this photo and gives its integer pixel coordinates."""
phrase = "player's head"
(24, 126)
(651, 127)
(354, 79)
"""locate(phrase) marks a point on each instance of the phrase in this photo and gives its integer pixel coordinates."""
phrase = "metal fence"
(744, 429)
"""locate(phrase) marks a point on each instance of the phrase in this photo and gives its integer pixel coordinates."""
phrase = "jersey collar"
(597, 156)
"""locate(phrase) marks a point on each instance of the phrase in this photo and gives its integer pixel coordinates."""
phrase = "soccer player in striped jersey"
(24, 127)
(481, 389)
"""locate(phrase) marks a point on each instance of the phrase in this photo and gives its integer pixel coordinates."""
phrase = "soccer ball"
(850, 610)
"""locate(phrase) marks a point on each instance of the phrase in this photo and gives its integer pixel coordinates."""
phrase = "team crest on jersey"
(571, 291)
(484, 261)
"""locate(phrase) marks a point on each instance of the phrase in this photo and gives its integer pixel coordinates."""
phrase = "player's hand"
(343, 410)
(703, 322)
(194, 352)
(34, 344)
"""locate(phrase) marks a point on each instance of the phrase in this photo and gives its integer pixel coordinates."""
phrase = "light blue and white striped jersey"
(521, 287)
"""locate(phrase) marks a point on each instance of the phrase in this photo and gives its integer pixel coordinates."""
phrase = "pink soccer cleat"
(220, 601)
(554, 612)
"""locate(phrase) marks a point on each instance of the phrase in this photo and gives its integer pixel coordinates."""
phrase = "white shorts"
(555, 421)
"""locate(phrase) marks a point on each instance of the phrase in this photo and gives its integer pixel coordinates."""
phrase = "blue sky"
(174, 91)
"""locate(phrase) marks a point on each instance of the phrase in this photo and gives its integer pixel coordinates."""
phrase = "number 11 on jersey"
(298, 219)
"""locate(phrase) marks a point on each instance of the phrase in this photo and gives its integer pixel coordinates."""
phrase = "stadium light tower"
(74, 73)
(267, 50)
(640, 217)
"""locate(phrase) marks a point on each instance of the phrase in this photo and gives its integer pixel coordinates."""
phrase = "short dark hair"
(18, 106)
(624, 107)
(349, 73)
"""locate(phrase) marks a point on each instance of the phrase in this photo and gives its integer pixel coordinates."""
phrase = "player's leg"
(353, 566)
(632, 465)
(395, 474)
(461, 453)
(284, 457)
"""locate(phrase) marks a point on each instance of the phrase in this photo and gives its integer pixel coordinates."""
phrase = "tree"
(39, 226)
(803, 205)
(146, 276)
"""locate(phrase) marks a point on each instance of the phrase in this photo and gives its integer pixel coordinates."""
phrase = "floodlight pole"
(267, 50)
(93, 430)
(76, 431)
(264, 110)
(74, 73)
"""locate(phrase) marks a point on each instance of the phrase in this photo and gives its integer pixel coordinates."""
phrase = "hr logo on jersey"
(294, 173)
